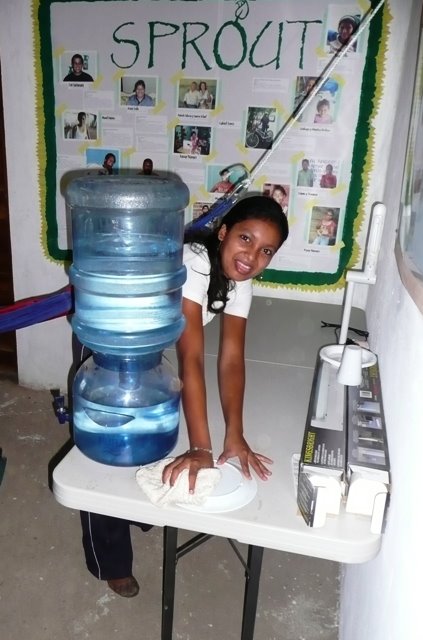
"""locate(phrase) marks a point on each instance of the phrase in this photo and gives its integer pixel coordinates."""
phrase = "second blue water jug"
(127, 267)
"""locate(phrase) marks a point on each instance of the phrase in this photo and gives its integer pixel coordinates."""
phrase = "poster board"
(254, 61)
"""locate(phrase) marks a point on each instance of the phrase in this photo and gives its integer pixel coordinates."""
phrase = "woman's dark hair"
(354, 21)
(248, 208)
(139, 83)
(75, 57)
(279, 187)
(81, 115)
(322, 103)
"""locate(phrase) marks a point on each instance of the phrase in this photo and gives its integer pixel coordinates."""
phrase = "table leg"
(252, 582)
(170, 541)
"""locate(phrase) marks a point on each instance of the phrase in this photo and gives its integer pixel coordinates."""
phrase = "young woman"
(220, 267)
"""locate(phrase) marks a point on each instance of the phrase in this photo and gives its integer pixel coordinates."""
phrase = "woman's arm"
(190, 350)
(231, 376)
(231, 370)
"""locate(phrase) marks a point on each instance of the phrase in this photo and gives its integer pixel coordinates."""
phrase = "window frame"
(410, 272)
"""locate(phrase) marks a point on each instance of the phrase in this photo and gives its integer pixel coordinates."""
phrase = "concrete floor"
(46, 593)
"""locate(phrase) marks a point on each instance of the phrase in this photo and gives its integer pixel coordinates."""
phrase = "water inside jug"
(126, 410)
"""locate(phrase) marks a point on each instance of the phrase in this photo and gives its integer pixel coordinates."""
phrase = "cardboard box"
(344, 455)
(368, 467)
(323, 453)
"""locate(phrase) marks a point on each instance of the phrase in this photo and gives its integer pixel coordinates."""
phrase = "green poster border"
(362, 156)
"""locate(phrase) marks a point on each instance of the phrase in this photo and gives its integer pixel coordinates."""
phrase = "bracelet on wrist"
(194, 449)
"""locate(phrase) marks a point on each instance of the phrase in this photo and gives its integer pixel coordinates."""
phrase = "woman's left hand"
(237, 446)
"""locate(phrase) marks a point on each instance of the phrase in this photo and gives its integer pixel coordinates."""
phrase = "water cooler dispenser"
(127, 275)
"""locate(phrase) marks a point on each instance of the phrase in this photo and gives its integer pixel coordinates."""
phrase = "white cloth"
(149, 478)
(197, 284)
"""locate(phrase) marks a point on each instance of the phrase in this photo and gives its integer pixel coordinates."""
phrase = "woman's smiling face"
(247, 248)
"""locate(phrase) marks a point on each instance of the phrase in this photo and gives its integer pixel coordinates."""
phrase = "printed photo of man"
(77, 74)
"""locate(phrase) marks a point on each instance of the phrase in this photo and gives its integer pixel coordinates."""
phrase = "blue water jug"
(127, 276)
(127, 266)
(126, 410)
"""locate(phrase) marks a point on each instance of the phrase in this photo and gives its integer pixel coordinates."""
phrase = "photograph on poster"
(79, 125)
(261, 127)
(305, 176)
(199, 208)
(197, 93)
(328, 179)
(78, 66)
(102, 161)
(323, 226)
(147, 168)
(322, 108)
(323, 113)
(222, 178)
(192, 140)
(303, 86)
(159, 160)
(279, 192)
(223, 184)
(138, 92)
(341, 29)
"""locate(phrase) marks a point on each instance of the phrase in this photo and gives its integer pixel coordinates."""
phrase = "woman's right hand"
(191, 460)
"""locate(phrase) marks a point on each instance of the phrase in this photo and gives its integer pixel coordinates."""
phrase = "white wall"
(381, 600)
(44, 350)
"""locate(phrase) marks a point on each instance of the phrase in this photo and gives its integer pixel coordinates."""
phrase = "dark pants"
(107, 545)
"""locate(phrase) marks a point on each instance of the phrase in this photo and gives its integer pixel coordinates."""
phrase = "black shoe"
(125, 587)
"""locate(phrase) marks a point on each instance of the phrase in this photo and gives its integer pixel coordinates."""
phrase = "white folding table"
(283, 341)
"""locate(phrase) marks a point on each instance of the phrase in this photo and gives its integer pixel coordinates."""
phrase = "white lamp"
(368, 275)
(349, 372)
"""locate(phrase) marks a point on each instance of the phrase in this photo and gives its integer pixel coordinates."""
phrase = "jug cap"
(128, 192)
